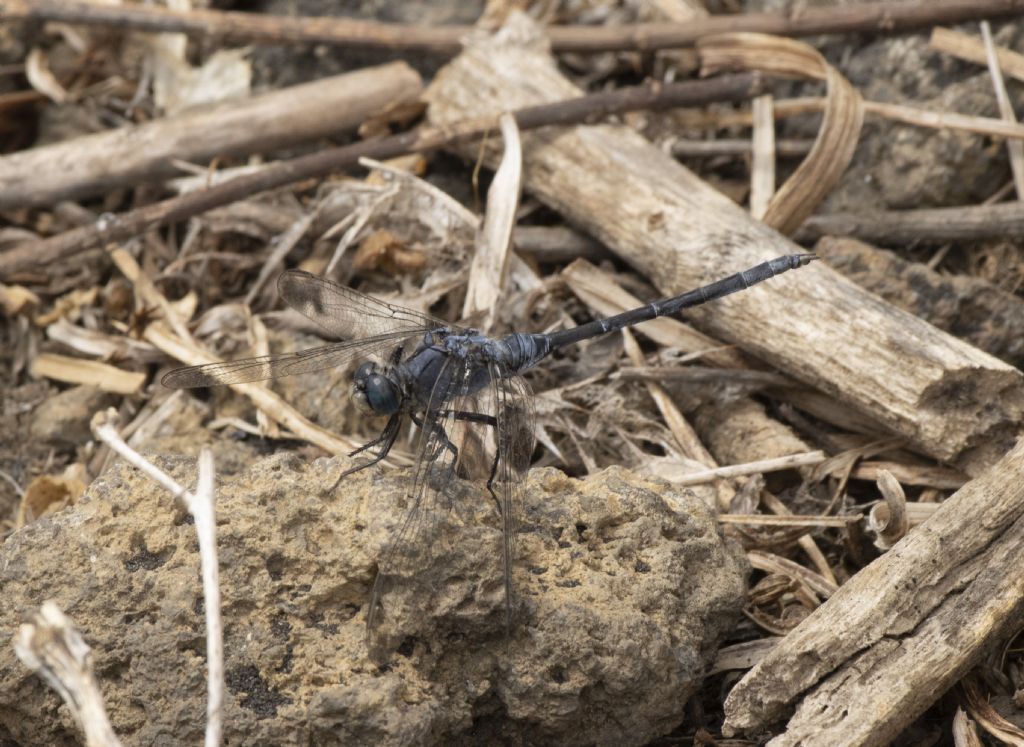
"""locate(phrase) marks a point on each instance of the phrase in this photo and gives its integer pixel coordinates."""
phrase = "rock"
(63, 419)
(625, 587)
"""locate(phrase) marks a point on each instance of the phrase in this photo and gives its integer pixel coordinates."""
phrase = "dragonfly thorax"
(373, 393)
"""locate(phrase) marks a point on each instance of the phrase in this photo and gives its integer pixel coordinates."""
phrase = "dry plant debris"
(855, 431)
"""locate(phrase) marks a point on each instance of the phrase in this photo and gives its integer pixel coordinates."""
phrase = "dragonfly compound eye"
(382, 395)
(358, 393)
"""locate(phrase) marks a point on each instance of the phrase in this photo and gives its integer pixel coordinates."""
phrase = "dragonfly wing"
(347, 313)
(275, 366)
(515, 438)
(417, 549)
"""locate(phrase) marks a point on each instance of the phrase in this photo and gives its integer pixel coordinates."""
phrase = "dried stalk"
(51, 647)
(201, 506)
(1014, 147)
(927, 225)
(969, 48)
(493, 248)
(752, 468)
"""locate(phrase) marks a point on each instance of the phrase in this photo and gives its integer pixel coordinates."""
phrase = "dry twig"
(869, 17)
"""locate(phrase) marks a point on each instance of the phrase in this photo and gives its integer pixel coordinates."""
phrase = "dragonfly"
(440, 376)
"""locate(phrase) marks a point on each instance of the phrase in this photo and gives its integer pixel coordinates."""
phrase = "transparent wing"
(515, 438)
(410, 558)
(347, 313)
(275, 366)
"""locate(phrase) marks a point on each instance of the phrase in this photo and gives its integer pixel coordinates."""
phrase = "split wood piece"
(877, 17)
(970, 308)
(114, 228)
(897, 635)
(943, 395)
(93, 164)
(923, 226)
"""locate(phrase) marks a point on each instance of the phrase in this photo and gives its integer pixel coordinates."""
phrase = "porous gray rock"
(624, 589)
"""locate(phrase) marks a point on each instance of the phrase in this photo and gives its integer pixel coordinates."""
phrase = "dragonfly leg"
(387, 438)
(479, 417)
(442, 437)
(469, 417)
(484, 419)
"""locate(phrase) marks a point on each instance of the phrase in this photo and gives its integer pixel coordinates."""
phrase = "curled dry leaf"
(42, 79)
(833, 148)
(987, 717)
(49, 493)
(889, 521)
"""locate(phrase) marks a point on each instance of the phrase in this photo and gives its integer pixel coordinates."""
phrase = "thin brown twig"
(875, 17)
(112, 228)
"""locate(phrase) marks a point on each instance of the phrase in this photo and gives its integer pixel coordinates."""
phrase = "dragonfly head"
(374, 393)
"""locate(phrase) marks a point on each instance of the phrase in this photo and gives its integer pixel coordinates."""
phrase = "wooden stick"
(894, 637)
(927, 225)
(911, 115)
(943, 395)
(877, 17)
(770, 520)
(201, 506)
(112, 228)
(93, 164)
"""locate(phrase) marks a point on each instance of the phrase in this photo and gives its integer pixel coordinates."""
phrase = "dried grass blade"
(1014, 147)
(494, 240)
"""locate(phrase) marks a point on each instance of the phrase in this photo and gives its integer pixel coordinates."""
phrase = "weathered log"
(93, 164)
(971, 308)
(949, 399)
(897, 635)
